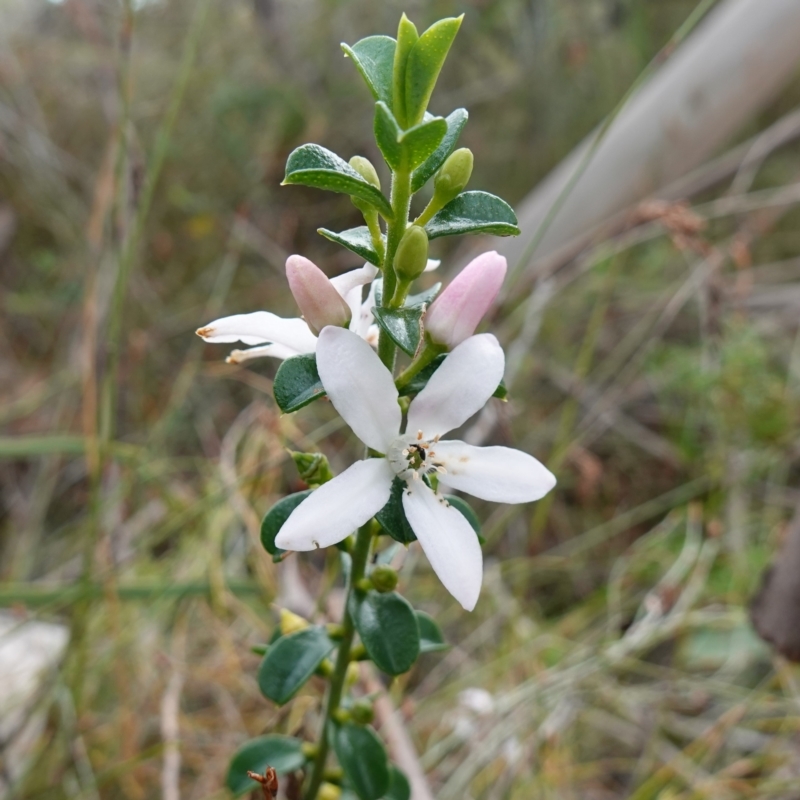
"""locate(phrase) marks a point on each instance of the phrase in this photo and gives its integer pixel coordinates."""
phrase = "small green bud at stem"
(451, 179)
(453, 176)
(412, 254)
(383, 578)
(363, 166)
(362, 712)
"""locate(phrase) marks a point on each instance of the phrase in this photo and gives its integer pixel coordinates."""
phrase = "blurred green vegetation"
(612, 633)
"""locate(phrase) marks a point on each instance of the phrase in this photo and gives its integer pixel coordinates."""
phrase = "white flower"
(362, 390)
(283, 338)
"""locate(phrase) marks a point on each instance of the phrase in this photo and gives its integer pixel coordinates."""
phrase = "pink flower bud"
(456, 312)
(319, 302)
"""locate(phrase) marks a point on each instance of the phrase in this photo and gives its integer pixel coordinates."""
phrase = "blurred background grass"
(140, 157)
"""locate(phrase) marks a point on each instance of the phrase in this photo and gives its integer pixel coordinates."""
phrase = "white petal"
(346, 282)
(261, 327)
(363, 323)
(360, 387)
(338, 507)
(467, 378)
(433, 263)
(353, 300)
(498, 474)
(280, 351)
(448, 541)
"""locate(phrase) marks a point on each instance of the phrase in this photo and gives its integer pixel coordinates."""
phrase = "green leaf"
(297, 383)
(419, 142)
(402, 325)
(474, 212)
(406, 150)
(363, 760)
(430, 634)
(387, 135)
(276, 516)
(455, 124)
(466, 509)
(392, 518)
(399, 787)
(356, 239)
(374, 59)
(291, 661)
(423, 298)
(282, 753)
(388, 629)
(407, 37)
(424, 64)
(312, 165)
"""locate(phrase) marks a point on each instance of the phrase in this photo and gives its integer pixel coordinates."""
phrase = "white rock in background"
(29, 650)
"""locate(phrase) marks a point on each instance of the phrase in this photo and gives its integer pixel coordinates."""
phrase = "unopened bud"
(412, 253)
(329, 791)
(455, 313)
(351, 675)
(291, 622)
(363, 166)
(314, 468)
(383, 578)
(362, 712)
(453, 176)
(319, 302)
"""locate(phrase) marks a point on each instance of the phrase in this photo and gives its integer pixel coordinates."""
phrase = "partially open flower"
(455, 313)
(363, 391)
(283, 338)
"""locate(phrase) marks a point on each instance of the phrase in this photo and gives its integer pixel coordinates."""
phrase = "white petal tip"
(204, 332)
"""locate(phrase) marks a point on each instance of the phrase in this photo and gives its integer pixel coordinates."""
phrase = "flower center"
(413, 455)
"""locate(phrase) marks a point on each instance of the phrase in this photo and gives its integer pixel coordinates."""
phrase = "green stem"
(429, 352)
(360, 558)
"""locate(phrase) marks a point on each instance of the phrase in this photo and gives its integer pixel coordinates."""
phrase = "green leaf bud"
(362, 712)
(453, 176)
(383, 578)
(412, 254)
(363, 166)
(314, 468)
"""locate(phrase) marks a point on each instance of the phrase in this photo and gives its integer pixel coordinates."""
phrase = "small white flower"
(362, 390)
(283, 338)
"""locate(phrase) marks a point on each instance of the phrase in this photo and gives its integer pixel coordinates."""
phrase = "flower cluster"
(403, 370)
(338, 326)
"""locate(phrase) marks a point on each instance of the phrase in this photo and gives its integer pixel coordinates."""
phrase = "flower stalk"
(360, 557)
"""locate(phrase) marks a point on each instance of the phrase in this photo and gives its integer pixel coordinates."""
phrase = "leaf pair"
(402, 73)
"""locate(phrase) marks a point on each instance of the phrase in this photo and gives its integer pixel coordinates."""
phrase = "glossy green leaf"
(283, 753)
(387, 136)
(374, 59)
(406, 150)
(291, 661)
(297, 383)
(392, 518)
(356, 239)
(407, 37)
(455, 124)
(312, 165)
(474, 212)
(276, 516)
(430, 634)
(363, 760)
(424, 64)
(388, 629)
(423, 298)
(399, 787)
(421, 141)
(402, 325)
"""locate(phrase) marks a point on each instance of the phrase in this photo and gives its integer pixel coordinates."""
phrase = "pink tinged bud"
(455, 313)
(319, 302)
